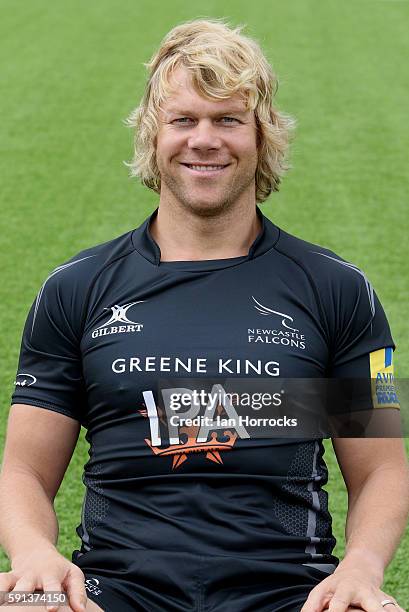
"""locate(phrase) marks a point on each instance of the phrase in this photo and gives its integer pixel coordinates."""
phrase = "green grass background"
(71, 71)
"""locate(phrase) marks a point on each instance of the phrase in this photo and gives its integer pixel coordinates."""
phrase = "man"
(174, 520)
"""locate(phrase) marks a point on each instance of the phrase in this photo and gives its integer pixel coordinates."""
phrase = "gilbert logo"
(25, 380)
(92, 585)
(119, 314)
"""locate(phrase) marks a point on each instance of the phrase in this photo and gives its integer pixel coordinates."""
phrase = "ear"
(258, 131)
(155, 135)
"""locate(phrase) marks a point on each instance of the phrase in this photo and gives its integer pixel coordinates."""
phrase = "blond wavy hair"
(222, 62)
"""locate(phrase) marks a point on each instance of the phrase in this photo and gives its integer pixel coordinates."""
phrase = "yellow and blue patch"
(382, 379)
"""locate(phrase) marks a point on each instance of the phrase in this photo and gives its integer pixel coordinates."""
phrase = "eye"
(229, 119)
(188, 120)
(183, 120)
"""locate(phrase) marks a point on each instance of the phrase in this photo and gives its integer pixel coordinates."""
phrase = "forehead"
(184, 96)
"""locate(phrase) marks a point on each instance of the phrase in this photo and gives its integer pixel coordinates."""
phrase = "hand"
(346, 589)
(46, 570)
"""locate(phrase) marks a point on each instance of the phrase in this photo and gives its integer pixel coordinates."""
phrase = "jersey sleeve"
(362, 344)
(362, 330)
(49, 372)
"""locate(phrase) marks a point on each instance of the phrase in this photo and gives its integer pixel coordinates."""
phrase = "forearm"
(376, 520)
(27, 516)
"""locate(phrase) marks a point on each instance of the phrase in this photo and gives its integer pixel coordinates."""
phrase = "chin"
(204, 203)
(205, 208)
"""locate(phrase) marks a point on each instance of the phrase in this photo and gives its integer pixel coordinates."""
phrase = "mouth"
(205, 169)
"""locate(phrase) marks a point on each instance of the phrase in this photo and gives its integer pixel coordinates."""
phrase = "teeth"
(205, 168)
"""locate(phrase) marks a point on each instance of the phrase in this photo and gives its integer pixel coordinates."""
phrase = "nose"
(204, 136)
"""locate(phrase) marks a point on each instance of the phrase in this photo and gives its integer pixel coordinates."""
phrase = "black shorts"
(140, 580)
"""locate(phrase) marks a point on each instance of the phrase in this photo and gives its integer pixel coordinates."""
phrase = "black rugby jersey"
(114, 319)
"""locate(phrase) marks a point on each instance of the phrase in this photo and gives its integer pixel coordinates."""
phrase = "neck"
(183, 235)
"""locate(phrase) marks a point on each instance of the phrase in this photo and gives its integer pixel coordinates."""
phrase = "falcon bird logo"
(268, 312)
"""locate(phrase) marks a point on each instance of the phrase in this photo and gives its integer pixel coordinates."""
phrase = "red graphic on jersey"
(181, 451)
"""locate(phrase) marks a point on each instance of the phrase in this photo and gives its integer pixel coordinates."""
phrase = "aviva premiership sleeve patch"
(382, 379)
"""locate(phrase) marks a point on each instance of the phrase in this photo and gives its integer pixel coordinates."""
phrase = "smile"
(205, 169)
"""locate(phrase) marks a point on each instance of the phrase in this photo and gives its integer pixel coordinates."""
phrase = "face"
(206, 150)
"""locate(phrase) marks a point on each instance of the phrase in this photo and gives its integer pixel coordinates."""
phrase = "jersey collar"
(146, 246)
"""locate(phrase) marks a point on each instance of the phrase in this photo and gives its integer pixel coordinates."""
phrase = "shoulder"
(81, 269)
(312, 256)
(63, 296)
(343, 292)
(324, 267)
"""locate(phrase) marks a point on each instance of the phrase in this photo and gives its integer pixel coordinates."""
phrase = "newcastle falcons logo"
(118, 315)
(267, 312)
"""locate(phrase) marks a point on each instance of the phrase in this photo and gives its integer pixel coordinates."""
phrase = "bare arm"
(39, 446)
(376, 475)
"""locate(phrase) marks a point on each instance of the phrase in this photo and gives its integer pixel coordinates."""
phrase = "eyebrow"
(226, 111)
